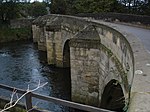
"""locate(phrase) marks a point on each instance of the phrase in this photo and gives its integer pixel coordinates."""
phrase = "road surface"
(142, 34)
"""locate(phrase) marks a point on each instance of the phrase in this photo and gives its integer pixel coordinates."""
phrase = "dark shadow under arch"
(66, 55)
(66, 64)
(113, 97)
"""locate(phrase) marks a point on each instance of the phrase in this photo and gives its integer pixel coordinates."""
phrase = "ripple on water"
(21, 64)
(4, 54)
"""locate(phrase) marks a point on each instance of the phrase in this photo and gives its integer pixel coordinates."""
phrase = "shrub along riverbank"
(13, 34)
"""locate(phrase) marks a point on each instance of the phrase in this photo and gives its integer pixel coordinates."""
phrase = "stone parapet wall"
(21, 23)
(128, 18)
(98, 54)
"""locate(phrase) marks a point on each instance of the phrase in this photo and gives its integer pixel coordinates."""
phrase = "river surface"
(21, 64)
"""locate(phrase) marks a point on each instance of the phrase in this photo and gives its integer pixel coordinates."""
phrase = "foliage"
(143, 8)
(58, 6)
(93, 6)
(38, 9)
(96, 6)
(8, 34)
(8, 10)
(12, 9)
(136, 6)
(83, 6)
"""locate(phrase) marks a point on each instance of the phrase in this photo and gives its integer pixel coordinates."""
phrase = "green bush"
(8, 34)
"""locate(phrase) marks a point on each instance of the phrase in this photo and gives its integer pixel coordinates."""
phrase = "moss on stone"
(118, 65)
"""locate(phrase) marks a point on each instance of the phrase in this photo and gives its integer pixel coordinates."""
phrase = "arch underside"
(113, 97)
(66, 55)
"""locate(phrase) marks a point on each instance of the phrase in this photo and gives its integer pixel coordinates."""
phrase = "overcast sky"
(36, 0)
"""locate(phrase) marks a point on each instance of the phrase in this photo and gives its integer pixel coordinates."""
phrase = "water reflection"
(21, 64)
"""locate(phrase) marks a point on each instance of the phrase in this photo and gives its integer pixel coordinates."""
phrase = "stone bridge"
(100, 58)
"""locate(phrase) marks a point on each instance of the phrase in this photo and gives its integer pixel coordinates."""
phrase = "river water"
(21, 64)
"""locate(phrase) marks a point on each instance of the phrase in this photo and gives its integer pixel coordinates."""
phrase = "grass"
(9, 34)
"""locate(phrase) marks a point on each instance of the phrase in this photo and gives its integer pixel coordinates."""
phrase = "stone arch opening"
(66, 65)
(113, 97)
(66, 55)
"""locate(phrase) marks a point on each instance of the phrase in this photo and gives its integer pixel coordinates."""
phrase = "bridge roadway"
(140, 37)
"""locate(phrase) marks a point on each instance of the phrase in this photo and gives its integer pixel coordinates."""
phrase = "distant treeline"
(12, 9)
(141, 7)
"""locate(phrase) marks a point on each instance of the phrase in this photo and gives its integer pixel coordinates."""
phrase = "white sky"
(36, 0)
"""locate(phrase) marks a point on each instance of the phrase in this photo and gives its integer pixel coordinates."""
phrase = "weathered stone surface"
(21, 23)
(140, 102)
(35, 31)
(98, 54)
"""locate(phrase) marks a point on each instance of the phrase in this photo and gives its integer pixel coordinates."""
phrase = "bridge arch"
(113, 97)
(98, 54)
(66, 54)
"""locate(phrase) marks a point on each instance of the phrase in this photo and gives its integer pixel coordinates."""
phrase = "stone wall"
(35, 31)
(98, 54)
(58, 31)
(39, 36)
(21, 23)
(85, 72)
(128, 18)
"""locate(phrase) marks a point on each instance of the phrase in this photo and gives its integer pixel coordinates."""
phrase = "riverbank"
(14, 34)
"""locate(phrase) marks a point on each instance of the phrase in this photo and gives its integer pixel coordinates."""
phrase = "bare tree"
(13, 103)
